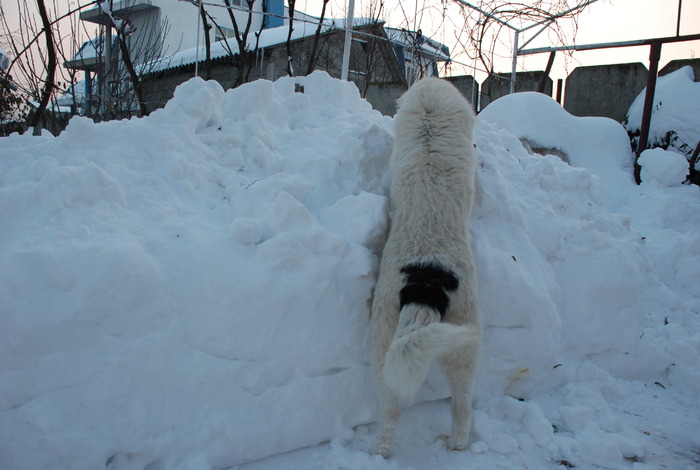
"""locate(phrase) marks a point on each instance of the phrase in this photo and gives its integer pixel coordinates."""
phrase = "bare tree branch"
(51, 67)
(290, 68)
(317, 37)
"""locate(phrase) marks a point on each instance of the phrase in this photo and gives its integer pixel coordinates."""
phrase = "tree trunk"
(290, 68)
(207, 42)
(317, 37)
(50, 67)
(135, 81)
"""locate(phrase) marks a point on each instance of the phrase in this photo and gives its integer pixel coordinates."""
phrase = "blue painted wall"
(276, 10)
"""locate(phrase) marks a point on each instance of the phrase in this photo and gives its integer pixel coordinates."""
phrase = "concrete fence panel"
(676, 64)
(498, 85)
(468, 86)
(604, 90)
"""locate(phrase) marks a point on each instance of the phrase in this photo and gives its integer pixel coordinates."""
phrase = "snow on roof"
(275, 36)
(89, 56)
(268, 37)
(91, 49)
(76, 90)
(410, 38)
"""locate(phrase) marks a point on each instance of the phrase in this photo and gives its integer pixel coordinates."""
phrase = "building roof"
(89, 56)
(432, 48)
(102, 14)
(268, 37)
(275, 36)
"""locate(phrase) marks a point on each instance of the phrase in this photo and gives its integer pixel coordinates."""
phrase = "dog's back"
(433, 159)
(425, 299)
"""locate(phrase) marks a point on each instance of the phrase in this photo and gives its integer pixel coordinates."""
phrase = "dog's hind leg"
(459, 367)
(390, 412)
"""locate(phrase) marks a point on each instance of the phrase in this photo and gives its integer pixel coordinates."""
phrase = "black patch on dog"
(428, 284)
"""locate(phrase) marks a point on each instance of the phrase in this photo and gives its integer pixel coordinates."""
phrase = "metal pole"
(560, 83)
(196, 54)
(515, 62)
(348, 40)
(104, 83)
(547, 71)
(654, 56)
(678, 22)
(611, 45)
(487, 14)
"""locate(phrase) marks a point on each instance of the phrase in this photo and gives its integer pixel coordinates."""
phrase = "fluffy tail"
(414, 347)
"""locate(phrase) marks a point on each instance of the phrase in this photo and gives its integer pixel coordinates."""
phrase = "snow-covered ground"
(190, 291)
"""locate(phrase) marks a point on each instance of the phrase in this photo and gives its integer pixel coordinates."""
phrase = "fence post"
(654, 56)
(513, 73)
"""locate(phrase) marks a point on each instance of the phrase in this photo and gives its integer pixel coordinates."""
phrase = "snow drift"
(190, 289)
(675, 123)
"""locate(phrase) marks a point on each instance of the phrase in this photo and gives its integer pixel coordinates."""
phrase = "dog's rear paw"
(458, 442)
(381, 448)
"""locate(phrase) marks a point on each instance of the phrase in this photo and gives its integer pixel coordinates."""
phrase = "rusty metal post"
(547, 71)
(560, 84)
(654, 56)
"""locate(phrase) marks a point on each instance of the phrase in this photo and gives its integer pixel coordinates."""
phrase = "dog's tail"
(416, 344)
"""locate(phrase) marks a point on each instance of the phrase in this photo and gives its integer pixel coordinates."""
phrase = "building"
(165, 49)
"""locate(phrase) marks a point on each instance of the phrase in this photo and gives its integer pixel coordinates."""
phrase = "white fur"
(408, 359)
(431, 195)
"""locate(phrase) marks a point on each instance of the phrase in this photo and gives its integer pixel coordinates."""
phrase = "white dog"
(425, 303)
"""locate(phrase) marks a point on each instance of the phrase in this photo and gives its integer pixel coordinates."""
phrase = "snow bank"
(676, 101)
(600, 145)
(190, 290)
(542, 238)
(618, 252)
(667, 168)
(167, 289)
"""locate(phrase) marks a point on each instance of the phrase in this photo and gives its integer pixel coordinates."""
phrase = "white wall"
(185, 23)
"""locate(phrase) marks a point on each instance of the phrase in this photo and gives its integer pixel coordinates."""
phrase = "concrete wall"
(676, 64)
(468, 86)
(498, 85)
(383, 96)
(605, 90)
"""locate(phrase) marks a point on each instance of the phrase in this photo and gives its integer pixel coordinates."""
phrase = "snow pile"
(167, 288)
(190, 290)
(675, 123)
(598, 144)
(665, 167)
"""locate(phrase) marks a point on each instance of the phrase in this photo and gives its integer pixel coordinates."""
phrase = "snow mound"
(541, 237)
(675, 123)
(191, 289)
(167, 288)
(600, 145)
(665, 167)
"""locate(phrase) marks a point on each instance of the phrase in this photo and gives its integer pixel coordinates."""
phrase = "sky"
(625, 20)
